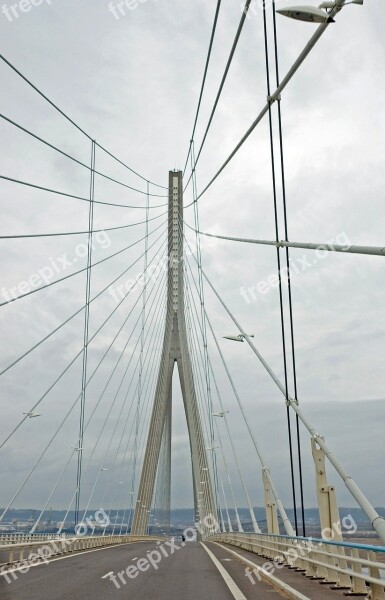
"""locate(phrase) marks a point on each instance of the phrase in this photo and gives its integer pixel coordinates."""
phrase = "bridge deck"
(187, 573)
(308, 587)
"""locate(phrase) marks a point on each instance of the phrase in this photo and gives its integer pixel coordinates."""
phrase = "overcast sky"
(132, 83)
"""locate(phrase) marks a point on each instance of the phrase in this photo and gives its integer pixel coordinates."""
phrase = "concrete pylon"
(175, 350)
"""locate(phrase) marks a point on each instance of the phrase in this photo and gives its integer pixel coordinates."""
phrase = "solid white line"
(268, 577)
(234, 589)
(71, 555)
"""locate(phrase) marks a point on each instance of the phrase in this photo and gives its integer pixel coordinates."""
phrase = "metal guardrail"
(35, 551)
(343, 565)
(14, 538)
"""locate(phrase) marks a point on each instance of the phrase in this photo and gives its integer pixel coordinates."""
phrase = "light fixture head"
(310, 14)
(234, 338)
(238, 338)
(330, 4)
(32, 415)
(220, 414)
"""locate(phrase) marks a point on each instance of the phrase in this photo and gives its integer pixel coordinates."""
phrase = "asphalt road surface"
(147, 572)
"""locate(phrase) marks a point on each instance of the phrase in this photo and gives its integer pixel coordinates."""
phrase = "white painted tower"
(175, 350)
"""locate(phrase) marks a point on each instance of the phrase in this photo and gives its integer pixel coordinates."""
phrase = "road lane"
(250, 587)
(185, 573)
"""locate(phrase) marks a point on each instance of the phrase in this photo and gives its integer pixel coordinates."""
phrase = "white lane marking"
(70, 556)
(268, 577)
(107, 575)
(234, 589)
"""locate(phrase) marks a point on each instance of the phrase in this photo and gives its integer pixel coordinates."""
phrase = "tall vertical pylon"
(175, 350)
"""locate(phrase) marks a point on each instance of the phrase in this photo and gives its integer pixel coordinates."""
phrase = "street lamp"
(332, 5)
(238, 338)
(311, 14)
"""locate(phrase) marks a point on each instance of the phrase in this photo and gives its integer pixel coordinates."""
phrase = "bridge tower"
(175, 350)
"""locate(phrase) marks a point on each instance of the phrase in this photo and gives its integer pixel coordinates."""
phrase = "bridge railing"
(347, 566)
(27, 553)
(14, 538)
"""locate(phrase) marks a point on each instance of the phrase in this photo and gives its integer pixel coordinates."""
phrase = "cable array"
(66, 116)
(107, 410)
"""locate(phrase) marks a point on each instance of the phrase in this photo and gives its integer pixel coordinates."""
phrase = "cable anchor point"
(274, 98)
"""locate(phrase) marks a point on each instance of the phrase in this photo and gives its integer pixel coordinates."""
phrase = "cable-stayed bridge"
(108, 457)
